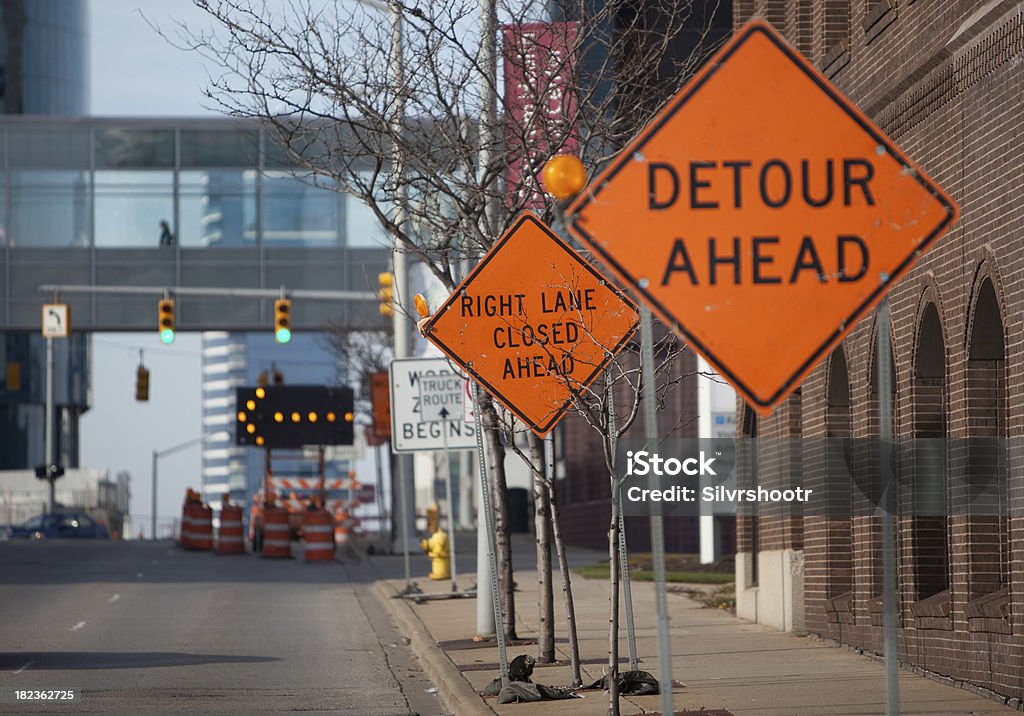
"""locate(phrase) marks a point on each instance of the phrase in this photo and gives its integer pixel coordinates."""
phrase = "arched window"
(838, 430)
(984, 492)
(928, 491)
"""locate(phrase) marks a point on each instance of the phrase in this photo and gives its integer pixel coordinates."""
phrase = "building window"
(838, 430)
(49, 207)
(929, 524)
(218, 207)
(297, 212)
(986, 532)
(132, 207)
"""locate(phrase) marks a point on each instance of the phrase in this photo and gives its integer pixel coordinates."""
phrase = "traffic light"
(166, 320)
(142, 384)
(283, 320)
(386, 294)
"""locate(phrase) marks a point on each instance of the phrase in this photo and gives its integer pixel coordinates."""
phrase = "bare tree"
(316, 72)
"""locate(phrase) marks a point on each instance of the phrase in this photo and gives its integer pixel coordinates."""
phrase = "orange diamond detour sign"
(761, 214)
(533, 323)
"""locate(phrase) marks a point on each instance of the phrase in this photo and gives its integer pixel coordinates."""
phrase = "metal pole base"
(411, 588)
(421, 598)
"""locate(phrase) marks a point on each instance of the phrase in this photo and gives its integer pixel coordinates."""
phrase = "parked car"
(64, 524)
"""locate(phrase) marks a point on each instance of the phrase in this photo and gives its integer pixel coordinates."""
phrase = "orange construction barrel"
(317, 530)
(229, 538)
(199, 527)
(276, 540)
(341, 526)
(185, 537)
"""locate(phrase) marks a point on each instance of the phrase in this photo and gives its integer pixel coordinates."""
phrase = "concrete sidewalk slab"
(720, 662)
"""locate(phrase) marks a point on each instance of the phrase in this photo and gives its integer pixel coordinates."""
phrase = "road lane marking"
(114, 598)
(78, 626)
(24, 667)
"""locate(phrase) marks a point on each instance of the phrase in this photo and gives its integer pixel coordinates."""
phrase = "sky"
(134, 72)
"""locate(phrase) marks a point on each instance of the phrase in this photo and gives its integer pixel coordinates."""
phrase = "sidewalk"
(721, 662)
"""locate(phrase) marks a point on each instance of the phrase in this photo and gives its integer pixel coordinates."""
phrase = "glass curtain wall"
(108, 186)
(47, 188)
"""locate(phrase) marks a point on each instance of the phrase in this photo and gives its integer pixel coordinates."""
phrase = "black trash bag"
(520, 692)
(519, 670)
(630, 683)
(556, 693)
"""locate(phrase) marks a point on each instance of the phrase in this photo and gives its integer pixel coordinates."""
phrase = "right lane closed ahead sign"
(761, 214)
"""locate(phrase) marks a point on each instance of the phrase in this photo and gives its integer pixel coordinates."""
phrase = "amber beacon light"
(564, 176)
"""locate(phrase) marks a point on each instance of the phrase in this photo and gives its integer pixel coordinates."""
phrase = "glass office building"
(43, 71)
(44, 57)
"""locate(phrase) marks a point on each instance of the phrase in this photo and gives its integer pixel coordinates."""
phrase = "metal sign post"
(889, 587)
(441, 402)
(56, 324)
(48, 446)
(492, 560)
(657, 526)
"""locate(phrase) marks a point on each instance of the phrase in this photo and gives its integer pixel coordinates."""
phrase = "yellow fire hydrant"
(437, 549)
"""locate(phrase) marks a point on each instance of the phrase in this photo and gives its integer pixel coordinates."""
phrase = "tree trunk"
(613, 607)
(542, 527)
(563, 569)
(499, 490)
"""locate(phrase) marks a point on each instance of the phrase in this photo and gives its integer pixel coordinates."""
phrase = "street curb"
(456, 693)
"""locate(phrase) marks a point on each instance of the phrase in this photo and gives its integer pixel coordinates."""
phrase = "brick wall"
(945, 81)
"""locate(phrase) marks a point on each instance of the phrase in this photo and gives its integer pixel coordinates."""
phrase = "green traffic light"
(167, 336)
(283, 335)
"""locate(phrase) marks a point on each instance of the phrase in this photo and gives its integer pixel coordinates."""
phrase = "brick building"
(945, 80)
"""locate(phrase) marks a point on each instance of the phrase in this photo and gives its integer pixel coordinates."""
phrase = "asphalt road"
(142, 627)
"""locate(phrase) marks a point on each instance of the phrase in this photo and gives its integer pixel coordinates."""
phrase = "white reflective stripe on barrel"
(224, 524)
(275, 543)
(317, 529)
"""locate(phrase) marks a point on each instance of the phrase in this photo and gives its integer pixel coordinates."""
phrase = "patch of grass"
(600, 571)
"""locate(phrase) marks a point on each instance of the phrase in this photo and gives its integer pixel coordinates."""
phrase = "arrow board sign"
(415, 426)
(441, 397)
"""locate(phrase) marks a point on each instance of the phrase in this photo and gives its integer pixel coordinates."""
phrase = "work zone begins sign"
(417, 426)
(533, 323)
(761, 214)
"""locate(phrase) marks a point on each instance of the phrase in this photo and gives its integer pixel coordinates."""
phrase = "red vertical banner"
(539, 104)
(380, 400)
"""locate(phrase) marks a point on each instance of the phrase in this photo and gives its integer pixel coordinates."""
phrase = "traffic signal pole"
(157, 454)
